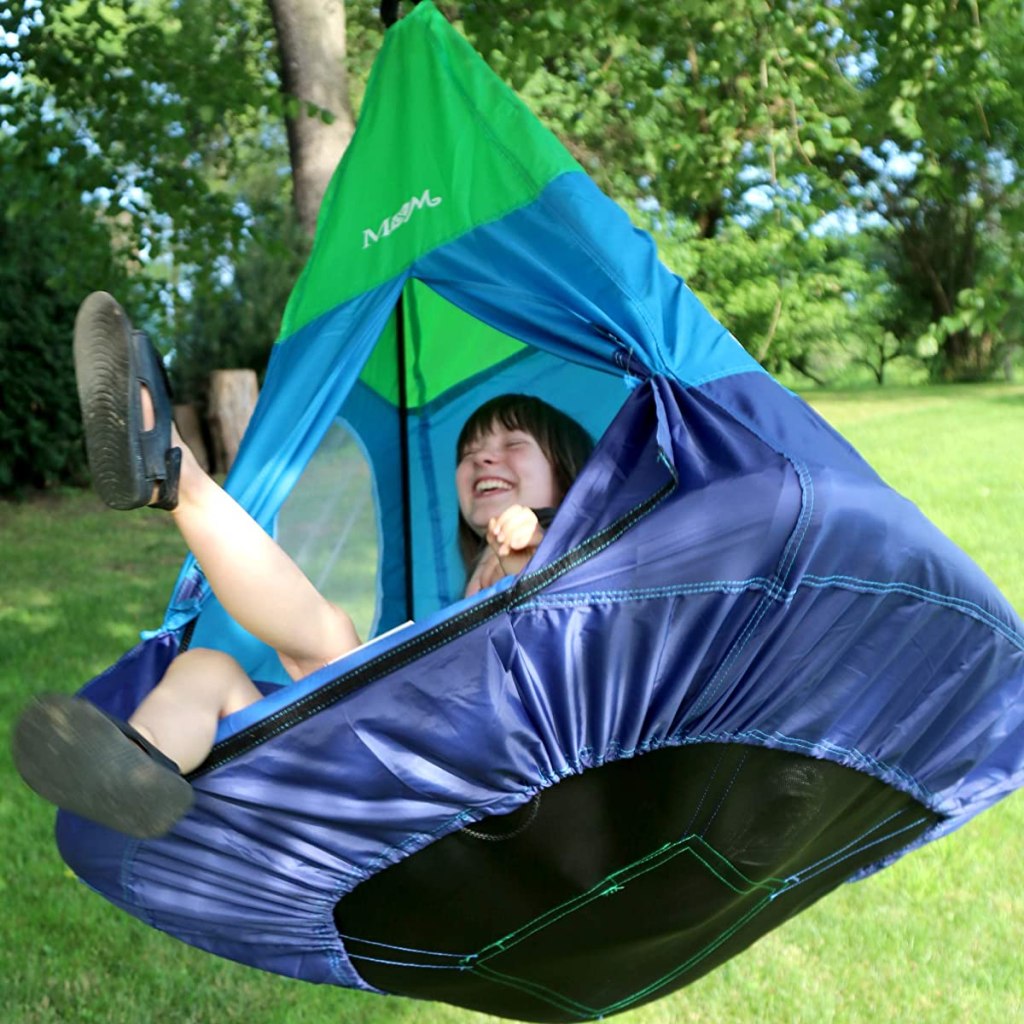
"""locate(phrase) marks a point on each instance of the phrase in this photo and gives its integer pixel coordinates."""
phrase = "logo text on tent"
(396, 220)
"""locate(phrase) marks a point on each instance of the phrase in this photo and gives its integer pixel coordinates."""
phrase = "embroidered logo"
(396, 220)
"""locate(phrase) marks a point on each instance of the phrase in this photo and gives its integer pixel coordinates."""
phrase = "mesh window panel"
(329, 525)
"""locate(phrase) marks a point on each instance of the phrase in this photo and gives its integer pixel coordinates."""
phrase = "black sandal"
(83, 760)
(112, 362)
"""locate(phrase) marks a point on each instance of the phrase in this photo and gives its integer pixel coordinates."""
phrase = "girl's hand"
(515, 530)
(512, 539)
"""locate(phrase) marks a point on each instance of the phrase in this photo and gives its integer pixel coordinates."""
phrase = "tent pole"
(403, 449)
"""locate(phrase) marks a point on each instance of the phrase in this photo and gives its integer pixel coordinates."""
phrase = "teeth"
(486, 486)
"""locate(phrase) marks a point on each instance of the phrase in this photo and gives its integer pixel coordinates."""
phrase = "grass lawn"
(934, 939)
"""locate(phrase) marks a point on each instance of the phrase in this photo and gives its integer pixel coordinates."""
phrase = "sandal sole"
(103, 370)
(72, 754)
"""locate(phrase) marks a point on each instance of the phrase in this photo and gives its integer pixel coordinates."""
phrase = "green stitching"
(714, 862)
(618, 880)
(539, 991)
(622, 1004)
(556, 999)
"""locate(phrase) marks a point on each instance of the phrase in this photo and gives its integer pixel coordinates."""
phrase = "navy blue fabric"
(763, 600)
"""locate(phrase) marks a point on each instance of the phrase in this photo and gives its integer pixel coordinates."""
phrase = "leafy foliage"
(941, 89)
(155, 104)
(230, 320)
(729, 121)
(48, 263)
(159, 125)
(684, 103)
(901, 114)
(816, 303)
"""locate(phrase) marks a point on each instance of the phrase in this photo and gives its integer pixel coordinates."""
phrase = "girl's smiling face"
(500, 468)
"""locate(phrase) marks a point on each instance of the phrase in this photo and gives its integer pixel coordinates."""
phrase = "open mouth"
(491, 485)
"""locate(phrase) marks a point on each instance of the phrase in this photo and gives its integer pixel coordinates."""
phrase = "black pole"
(389, 11)
(403, 452)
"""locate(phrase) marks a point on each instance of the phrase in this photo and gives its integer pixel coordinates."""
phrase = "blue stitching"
(707, 789)
(823, 860)
(785, 565)
(401, 949)
(399, 963)
(772, 589)
(717, 681)
(644, 593)
(959, 604)
(124, 875)
(728, 790)
(861, 849)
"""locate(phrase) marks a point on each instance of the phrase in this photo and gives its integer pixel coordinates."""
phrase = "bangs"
(513, 412)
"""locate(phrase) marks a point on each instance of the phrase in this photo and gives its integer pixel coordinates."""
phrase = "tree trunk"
(311, 42)
(233, 395)
(967, 356)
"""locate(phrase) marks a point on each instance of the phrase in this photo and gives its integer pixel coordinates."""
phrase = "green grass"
(934, 939)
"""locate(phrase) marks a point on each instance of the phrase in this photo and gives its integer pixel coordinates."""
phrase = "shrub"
(47, 265)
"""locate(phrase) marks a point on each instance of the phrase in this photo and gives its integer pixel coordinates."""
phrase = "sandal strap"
(137, 738)
(167, 495)
(161, 463)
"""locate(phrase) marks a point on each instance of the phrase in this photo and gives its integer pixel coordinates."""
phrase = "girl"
(515, 454)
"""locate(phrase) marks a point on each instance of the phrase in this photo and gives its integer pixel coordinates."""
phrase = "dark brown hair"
(565, 444)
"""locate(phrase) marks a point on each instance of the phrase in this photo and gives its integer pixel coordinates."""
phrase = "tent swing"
(739, 671)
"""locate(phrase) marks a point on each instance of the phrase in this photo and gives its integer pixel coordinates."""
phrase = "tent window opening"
(330, 526)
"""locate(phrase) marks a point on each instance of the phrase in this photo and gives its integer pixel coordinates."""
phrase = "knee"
(206, 660)
(205, 674)
(210, 678)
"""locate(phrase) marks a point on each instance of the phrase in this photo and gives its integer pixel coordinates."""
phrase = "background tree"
(729, 121)
(52, 245)
(685, 103)
(907, 114)
(163, 124)
(941, 87)
(40, 434)
(312, 51)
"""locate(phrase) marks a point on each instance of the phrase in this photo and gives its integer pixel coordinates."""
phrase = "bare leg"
(255, 579)
(181, 713)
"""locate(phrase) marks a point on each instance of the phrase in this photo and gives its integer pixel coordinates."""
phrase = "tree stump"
(233, 395)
